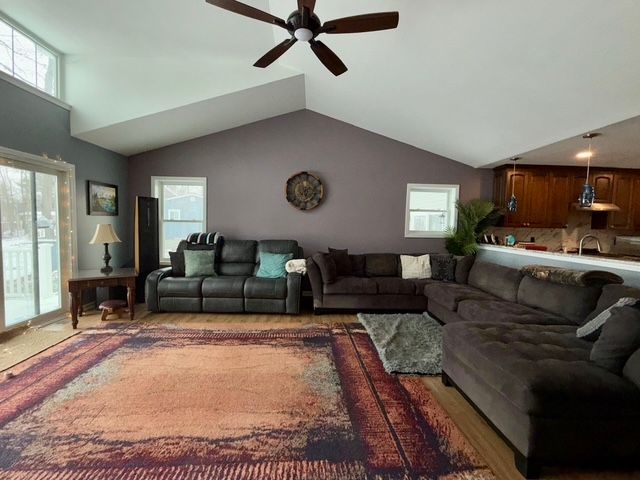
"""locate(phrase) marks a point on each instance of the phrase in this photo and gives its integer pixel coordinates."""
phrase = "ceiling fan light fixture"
(303, 34)
(584, 155)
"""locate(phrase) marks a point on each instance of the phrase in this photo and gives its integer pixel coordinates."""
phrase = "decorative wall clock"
(304, 191)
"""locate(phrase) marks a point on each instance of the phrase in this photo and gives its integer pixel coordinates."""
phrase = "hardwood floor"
(480, 434)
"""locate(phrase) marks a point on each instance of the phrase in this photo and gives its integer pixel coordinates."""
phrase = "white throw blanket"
(296, 266)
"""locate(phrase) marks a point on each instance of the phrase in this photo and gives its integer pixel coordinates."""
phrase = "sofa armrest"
(151, 288)
(294, 291)
(315, 278)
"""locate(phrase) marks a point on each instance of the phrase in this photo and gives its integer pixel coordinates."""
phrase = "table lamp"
(105, 234)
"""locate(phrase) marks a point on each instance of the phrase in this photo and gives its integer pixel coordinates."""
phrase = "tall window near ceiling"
(183, 209)
(27, 59)
(431, 210)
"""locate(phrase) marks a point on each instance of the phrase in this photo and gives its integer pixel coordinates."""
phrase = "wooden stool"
(109, 307)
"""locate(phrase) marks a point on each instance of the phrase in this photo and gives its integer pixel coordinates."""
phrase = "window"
(183, 209)
(28, 60)
(431, 210)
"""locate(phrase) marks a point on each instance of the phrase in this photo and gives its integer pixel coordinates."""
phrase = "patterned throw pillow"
(199, 263)
(273, 265)
(415, 267)
(591, 329)
(443, 267)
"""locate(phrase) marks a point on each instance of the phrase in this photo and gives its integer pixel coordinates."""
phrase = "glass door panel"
(30, 245)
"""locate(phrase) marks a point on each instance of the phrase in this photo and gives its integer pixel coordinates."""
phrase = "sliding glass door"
(34, 260)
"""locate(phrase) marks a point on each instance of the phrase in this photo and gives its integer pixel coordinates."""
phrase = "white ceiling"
(474, 81)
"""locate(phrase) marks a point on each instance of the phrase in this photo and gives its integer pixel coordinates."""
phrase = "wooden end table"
(85, 279)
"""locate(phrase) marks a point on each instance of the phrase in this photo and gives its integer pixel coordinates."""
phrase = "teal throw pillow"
(272, 265)
(199, 263)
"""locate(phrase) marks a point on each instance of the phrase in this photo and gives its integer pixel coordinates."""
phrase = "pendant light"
(588, 195)
(512, 206)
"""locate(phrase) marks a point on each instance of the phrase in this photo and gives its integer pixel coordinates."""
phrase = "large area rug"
(406, 342)
(153, 402)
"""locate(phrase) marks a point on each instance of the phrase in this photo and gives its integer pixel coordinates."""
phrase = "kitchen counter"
(629, 270)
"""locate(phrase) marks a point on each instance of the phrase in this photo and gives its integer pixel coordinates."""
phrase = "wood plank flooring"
(488, 443)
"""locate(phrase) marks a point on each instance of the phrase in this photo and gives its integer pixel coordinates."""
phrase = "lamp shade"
(105, 234)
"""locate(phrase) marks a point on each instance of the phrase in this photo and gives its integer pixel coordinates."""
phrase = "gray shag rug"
(406, 343)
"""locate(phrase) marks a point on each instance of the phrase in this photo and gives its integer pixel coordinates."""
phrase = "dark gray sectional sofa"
(235, 289)
(510, 347)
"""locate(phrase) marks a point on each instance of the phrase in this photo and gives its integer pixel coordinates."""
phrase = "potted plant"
(474, 218)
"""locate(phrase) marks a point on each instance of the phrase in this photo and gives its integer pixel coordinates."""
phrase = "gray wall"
(33, 125)
(365, 177)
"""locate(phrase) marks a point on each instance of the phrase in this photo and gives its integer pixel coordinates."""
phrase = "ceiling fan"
(305, 26)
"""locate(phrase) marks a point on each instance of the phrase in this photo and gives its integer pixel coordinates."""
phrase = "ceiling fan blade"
(275, 53)
(328, 58)
(248, 11)
(363, 23)
(310, 4)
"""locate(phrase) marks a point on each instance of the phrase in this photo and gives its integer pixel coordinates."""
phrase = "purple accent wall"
(365, 177)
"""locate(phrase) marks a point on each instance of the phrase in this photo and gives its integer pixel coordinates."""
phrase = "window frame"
(12, 78)
(451, 189)
(157, 184)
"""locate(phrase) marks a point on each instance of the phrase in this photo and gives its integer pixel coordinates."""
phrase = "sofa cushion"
(498, 280)
(238, 257)
(568, 301)
(189, 287)
(358, 265)
(268, 288)
(631, 369)
(610, 295)
(501, 311)
(463, 267)
(395, 286)
(450, 294)
(542, 370)
(223, 287)
(381, 265)
(327, 267)
(343, 263)
(420, 283)
(619, 339)
(351, 286)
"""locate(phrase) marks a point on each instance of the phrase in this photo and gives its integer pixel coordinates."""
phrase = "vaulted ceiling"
(476, 81)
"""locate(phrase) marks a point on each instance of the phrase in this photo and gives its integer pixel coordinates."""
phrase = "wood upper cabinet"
(603, 183)
(560, 198)
(546, 194)
(622, 196)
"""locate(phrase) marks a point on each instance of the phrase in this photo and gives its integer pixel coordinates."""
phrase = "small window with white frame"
(431, 210)
(27, 59)
(182, 209)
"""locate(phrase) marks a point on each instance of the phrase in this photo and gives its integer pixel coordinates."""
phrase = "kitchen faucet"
(587, 236)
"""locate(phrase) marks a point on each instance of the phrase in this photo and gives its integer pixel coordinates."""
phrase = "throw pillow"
(381, 265)
(327, 266)
(199, 263)
(272, 265)
(619, 339)
(443, 267)
(591, 329)
(415, 267)
(343, 264)
(177, 264)
(358, 265)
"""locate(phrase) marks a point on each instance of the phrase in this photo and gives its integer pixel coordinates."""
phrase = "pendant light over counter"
(588, 195)
(512, 206)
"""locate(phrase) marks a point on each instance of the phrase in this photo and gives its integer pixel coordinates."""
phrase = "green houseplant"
(474, 218)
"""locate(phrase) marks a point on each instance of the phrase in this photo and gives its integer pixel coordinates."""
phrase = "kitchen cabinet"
(622, 196)
(546, 193)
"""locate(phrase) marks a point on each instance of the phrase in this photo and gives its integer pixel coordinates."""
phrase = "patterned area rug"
(406, 342)
(158, 403)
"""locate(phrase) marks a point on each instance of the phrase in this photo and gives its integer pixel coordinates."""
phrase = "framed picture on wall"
(102, 199)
